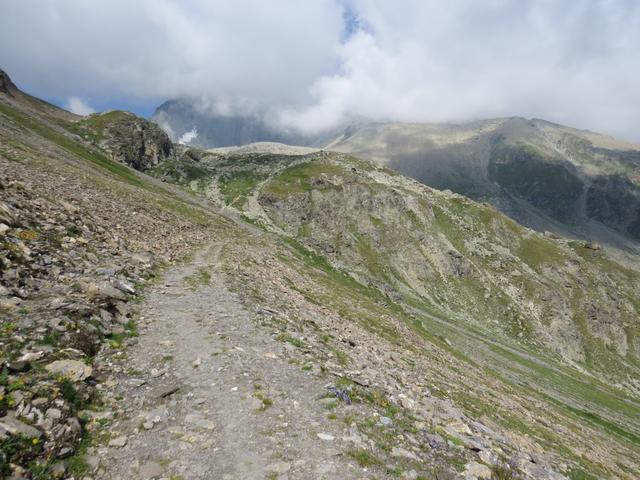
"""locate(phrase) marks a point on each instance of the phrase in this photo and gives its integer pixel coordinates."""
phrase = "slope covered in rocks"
(341, 320)
(78, 233)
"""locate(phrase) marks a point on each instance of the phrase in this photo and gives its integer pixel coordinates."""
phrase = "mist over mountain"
(187, 122)
(313, 68)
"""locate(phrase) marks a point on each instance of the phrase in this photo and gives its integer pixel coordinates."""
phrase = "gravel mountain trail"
(206, 394)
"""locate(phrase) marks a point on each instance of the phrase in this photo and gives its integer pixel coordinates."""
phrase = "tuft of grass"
(202, 276)
(364, 458)
(283, 337)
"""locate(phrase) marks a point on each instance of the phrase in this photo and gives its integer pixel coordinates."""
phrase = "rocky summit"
(171, 312)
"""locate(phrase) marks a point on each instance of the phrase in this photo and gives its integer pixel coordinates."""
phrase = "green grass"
(202, 276)
(536, 251)
(95, 125)
(296, 342)
(236, 186)
(297, 178)
(364, 458)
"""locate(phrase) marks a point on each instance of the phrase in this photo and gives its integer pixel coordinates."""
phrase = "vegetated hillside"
(440, 253)
(556, 316)
(433, 314)
(544, 175)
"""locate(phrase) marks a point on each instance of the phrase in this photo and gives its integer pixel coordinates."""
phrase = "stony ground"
(208, 394)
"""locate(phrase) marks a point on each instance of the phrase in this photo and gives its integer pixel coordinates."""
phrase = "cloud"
(78, 106)
(311, 65)
(188, 137)
(570, 62)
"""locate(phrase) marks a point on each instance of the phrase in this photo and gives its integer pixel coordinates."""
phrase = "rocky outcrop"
(6, 85)
(135, 141)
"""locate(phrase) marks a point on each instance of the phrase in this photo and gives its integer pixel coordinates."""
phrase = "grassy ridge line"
(164, 198)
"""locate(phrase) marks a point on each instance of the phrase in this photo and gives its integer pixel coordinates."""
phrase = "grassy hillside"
(551, 318)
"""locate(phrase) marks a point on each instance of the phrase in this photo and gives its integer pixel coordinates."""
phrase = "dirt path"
(241, 409)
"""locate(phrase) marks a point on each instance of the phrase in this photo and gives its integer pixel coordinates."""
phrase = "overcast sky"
(314, 63)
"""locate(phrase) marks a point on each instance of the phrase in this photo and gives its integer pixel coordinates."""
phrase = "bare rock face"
(136, 142)
(6, 85)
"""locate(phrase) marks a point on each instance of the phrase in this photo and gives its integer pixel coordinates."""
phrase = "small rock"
(31, 356)
(326, 437)
(399, 452)
(386, 421)
(65, 452)
(475, 470)
(406, 402)
(151, 470)
(166, 390)
(118, 442)
(487, 456)
(58, 470)
(196, 363)
(19, 366)
(124, 287)
(105, 291)
(410, 475)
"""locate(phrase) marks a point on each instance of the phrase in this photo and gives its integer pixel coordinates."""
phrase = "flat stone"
(326, 437)
(105, 291)
(31, 356)
(73, 370)
(199, 421)
(165, 390)
(458, 427)
(151, 470)
(279, 467)
(487, 456)
(124, 287)
(12, 426)
(118, 442)
(402, 453)
(19, 366)
(92, 415)
(475, 470)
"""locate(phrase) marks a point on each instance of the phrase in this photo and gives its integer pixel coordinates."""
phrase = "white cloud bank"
(78, 106)
(312, 64)
(188, 137)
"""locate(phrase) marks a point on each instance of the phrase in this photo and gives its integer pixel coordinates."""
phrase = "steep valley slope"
(397, 330)
(544, 175)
